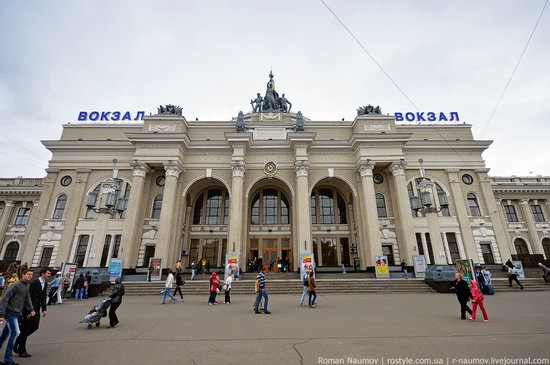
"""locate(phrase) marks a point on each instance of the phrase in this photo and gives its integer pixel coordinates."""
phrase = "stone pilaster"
(437, 240)
(405, 234)
(133, 220)
(236, 225)
(303, 232)
(373, 246)
(6, 218)
(536, 245)
(165, 237)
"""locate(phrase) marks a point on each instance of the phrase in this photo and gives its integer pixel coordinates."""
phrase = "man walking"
(12, 303)
(262, 292)
(305, 283)
(116, 301)
(404, 269)
(38, 294)
(168, 288)
(150, 271)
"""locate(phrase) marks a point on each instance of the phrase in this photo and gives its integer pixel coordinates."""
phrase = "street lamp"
(108, 195)
(423, 202)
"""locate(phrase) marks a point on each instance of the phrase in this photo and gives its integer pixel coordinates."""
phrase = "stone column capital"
(35, 202)
(238, 168)
(365, 168)
(301, 167)
(524, 201)
(10, 203)
(139, 169)
(172, 169)
(397, 168)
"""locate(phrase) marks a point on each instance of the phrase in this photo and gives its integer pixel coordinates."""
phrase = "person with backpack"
(116, 301)
(305, 283)
(179, 283)
(477, 300)
(513, 276)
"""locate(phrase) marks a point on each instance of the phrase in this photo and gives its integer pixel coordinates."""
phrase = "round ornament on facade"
(467, 179)
(66, 180)
(161, 180)
(378, 179)
(270, 168)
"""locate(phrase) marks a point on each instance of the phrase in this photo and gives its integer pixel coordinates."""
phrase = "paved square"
(380, 327)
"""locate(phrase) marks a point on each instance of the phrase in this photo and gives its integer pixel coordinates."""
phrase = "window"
(197, 213)
(284, 210)
(328, 252)
(511, 215)
(160, 181)
(521, 247)
(473, 204)
(430, 248)
(387, 250)
(210, 251)
(81, 249)
(255, 211)
(419, 244)
(22, 216)
(443, 201)
(537, 213)
(60, 207)
(116, 247)
(1, 211)
(46, 256)
(105, 252)
(11, 251)
(453, 246)
(127, 197)
(327, 206)
(226, 206)
(341, 209)
(344, 251)
(381, 206)
(194, 251)
(157, 205)
(467, 179)
(270, 207)
(212, 207)
(313, 209)
(546, 247)
(66, 180)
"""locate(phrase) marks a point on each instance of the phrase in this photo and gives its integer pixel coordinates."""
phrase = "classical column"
(238, 169)
(373, 246)
(446, 247)
(536, 245)
(460, 245)
(405, 235)
(425, 248)
(5, 220)
(435, 237)
(462, 215)
(165, 236)
(499, 224)
(303, 213)
(133, 222)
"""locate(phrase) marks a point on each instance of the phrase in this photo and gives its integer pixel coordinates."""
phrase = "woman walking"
(477, 299)
(168, 288)
(116, 301)
(227, 287)
(462, 294)
(311, 288)
(214, 284)
(179, 283)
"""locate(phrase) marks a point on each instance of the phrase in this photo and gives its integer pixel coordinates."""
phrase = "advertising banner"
(420, 266)
(307, 263)
(115, 269)
(466, 268)
(157, 271)
(519, 268)
(68, 273)
(232, 264)
(382, 270)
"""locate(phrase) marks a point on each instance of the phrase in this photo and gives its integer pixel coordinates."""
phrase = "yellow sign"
(382, 269)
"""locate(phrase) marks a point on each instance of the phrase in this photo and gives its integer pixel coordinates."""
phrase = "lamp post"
(106, 200)
(423, 203)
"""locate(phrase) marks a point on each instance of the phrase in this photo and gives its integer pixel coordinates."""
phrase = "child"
(477, 300)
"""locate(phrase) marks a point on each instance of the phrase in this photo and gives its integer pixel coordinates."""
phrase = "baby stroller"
(97, 312)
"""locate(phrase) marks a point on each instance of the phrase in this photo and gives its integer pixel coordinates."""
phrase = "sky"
(58, 58)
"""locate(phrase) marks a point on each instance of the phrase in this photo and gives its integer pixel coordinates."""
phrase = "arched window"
(441, 202)
(212, 207)
(157, 205)
(473, 204)
(11, 251)
(546, 247)
(381, 206)
(270, 206)
(327, 207)
(521, 247)
(60, 207)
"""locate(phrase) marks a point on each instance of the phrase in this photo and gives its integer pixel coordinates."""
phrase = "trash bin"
(440, 277)
(357, 264)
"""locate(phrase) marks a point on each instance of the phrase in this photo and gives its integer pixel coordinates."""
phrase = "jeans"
(168, 293)
(85, 291)
(79, 293)
(11, 328)
(262, 293)
(303, 295)
(405, 274)
(193, 273)
(312, 294)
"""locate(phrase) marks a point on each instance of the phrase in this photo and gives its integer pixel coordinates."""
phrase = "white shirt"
(228, 281)
(42, 282)
(169, 281)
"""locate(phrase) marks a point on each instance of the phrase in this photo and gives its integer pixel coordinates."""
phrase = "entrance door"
(268, 255)
(149, 252)
(487, 253)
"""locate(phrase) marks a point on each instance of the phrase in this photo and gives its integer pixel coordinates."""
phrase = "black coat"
(38, 296)
(462, 290)
(118, 292)
(79, 284)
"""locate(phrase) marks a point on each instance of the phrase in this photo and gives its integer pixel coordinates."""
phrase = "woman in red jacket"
(477, 300)
(214, 283)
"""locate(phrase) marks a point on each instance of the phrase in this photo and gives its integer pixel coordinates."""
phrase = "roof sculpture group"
(271, 102)
(369, 110)
(170, 109)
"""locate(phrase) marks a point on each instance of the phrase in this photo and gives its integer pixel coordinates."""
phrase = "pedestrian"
(262, 292)
(463, 294)
(488, 279)
(66, 285)
(87, 282)
(213, 284)
(513, 276)
(38, 293)
(178, 266)
(305, 283)
(12, 304)
(311, 290)
(545, 272)
(79, 287)
(477, 300)
(179, 283)
(207, 267)
(116, 301)
(404, 269)
(2, 283)
(260, 264)
(150, 271)
(193, 268)
(227, 288)
(55, 289)
(271, 263)
(509, 264)
(168, 287)
(256, 288)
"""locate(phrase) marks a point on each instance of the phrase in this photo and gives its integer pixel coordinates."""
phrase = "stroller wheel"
(90, 326)
(97, 324)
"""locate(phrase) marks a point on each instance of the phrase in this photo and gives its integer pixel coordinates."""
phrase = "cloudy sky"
(61, 57)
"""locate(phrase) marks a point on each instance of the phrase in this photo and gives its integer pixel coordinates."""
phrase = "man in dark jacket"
(116, 300)
(38, 293)
(11, 305)
(463, 294)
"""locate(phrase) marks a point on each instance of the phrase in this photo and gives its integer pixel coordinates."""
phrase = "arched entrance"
(12, 250)
(521, 246)
(546, 247)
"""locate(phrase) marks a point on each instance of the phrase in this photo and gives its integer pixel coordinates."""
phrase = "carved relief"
(365, 168)
(397, 168)
(238, 168)
(301, 167)
(172, 169)
(139, 169)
